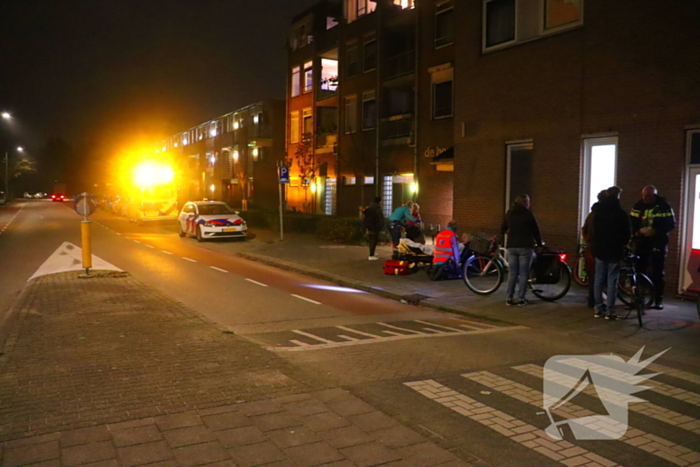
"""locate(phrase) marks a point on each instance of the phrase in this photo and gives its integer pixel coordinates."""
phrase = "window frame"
(347, 115)
(352, 45)
(308, 72)
(373, 93)
(372, 36)
(449, 9)
(296, 80)
(587, 144)
(307, 113)
(434, 81)
(295, 129)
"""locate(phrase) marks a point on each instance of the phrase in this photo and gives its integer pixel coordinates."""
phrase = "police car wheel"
(180, 232)
(199, 234)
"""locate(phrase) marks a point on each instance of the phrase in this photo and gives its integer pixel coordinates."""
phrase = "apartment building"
(370, 107)
(563, 98)
(233, 157)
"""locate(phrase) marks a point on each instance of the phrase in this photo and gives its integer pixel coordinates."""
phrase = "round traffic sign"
(84, 204)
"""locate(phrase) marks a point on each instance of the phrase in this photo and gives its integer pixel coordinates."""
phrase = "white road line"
(117, 233)
(434, 330)
(438, 325)
(468, 327)
(189, 259)
(516, 430)
(149, 246)
(166, 252)
(307, 299)
(481, 325)
(533, 397)
(348, 337)
(312, 336)
(646, 408)
(345, 328)
(398, 328)
(135, 241)
(12, 219)
(218, 269)
(256, 282)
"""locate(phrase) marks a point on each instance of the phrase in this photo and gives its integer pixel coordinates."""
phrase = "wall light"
(235, 156)
(175, 144)
(212, 188)
(414, 187)
(235, 125)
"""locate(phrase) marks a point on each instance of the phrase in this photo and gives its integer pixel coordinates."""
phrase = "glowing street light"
(6, 116)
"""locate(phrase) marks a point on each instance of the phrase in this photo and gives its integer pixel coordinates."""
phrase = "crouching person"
(446, 254)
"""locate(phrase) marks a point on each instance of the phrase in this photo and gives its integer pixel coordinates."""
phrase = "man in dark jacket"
(611, 233)
(373, 222)
(652, 220)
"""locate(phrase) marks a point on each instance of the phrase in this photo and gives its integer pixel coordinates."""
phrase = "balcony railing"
(326, 139)
(398, 126)
(327, 87)
(400, 65)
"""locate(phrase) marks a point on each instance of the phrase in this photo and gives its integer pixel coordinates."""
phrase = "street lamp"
(7, 172)
(6, 116)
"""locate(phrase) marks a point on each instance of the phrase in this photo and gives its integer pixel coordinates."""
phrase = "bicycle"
(638, 288)
(484, 271)
(580, 271)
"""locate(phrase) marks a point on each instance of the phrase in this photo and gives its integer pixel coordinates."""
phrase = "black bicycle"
(634, 289)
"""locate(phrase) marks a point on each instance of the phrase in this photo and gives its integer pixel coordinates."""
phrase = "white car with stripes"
(210, 219)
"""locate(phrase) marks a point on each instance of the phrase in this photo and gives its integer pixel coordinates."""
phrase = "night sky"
(116, 70)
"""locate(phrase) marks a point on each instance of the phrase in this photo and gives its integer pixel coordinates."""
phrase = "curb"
(12, 316)
(342, 281)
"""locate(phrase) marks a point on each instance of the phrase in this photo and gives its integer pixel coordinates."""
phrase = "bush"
(341, 230)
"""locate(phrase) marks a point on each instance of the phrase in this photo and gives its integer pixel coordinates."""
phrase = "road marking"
(307, 299)
(656, 386)
(658, 446)
(668, 371)
(117, 233)
(398, 328)
(166, 252)
(312, 336)
(135, 241)
(218, 269)
(516, 430)
(149, 246)
(12, 219)
(300, 343)
(256, 282)
(647, 408)
(438, 326)
(381, 337)
(189, 259)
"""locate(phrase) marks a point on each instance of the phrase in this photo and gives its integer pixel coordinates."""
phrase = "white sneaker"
(373, 258)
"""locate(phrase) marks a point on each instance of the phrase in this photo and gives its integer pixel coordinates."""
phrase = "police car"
(210, 219)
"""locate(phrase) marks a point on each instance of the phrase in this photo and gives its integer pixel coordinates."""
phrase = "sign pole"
(86, 240)
(281, 174)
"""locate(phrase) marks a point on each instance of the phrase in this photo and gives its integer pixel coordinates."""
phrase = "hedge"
(346, 230)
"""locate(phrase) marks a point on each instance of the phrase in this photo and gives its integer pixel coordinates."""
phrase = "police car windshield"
(214, 209)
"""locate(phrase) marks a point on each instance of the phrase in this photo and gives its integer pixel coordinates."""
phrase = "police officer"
(652, 220)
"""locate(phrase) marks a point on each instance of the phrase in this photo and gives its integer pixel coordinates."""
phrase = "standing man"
(652, 220)
(373, 222)
(397, 220)
(611, 233)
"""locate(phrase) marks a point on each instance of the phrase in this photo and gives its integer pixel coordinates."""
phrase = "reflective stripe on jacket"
(446, 247)
(658, 216)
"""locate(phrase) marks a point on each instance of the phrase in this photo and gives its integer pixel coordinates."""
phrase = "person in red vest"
(446, 254)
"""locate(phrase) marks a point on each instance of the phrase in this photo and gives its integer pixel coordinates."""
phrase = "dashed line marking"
(166, 252)
(438, 326)
(189, 259)
(312, 336)
(398, 328)
(12, 219)
(307, 299)
(149, 246)
(135, 241)
(256, 282)
(218, 269)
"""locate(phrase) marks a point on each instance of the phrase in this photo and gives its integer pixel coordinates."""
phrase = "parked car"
(210, 219)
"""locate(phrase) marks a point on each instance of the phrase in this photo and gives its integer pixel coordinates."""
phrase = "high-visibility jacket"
(658, 216)
(446, 247)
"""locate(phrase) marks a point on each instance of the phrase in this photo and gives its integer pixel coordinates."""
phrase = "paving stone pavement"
(107, 372)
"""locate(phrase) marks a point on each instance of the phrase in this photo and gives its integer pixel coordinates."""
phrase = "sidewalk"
(107, 372)
(676, 326)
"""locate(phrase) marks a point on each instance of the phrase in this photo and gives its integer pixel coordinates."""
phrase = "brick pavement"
(107, 372)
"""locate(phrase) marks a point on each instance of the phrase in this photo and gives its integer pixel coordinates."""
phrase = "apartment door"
(689, 278)
(518, 171)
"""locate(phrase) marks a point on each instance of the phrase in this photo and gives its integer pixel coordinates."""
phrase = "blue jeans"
(607, 274)
(519, 262)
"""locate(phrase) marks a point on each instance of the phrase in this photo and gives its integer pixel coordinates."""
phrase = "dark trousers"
(651, 261)
(373, 239)
(590, 273)
(395, 229)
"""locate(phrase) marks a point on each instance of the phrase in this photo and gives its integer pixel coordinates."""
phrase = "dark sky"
(115, 70)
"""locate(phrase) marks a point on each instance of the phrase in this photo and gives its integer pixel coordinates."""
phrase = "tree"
(306, 164)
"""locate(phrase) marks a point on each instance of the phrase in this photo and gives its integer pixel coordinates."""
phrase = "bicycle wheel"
(482, 274)
(580, 273)
(551, 292)
(639, 304)
(625, 287)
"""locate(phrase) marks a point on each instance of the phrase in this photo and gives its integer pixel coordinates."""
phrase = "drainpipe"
(416, 100)
(377, 143)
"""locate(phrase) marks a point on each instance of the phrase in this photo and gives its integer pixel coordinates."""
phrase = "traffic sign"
(84, 204)
(284, 174)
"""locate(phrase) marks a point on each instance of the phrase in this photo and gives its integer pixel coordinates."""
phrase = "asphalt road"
(474, 386)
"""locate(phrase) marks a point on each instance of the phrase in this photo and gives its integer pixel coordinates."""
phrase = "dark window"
(444, 24)
(369, 110)
(500, 22)
(442, 99)
(695, 148)
(352, 60)
(370, 57)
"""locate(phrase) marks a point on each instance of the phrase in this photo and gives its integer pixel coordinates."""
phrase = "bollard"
(86, 245)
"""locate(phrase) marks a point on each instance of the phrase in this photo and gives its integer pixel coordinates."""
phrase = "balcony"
(327, 87)
(326, 141)
(400, 65)
(397, 129)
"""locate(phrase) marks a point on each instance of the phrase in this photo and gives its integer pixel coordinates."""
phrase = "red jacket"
(446, 247)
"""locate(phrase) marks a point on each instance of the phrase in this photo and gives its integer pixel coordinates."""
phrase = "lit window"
(349, 181)
(295, 129)
(444, 23)
(369, 110)
(308, 122)
(405, 3)
(308, 76)
(256, 154)
(369, 62)
(296, 81)
(599, 170)
(351, 114)
(352, 56)
(358, 8)
(559, 13)
(368, 180)
(387, 195)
